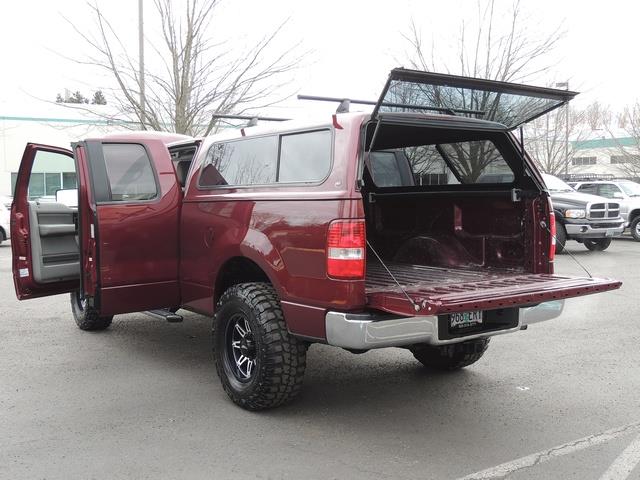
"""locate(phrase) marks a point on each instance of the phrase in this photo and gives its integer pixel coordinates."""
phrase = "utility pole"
(566, 130)
(143, 115)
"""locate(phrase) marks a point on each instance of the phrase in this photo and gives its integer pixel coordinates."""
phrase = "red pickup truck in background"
(362, 230)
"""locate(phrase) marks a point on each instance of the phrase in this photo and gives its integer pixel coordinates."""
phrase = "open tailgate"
(440, 290)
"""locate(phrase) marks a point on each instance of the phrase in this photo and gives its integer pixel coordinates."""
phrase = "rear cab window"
(182, 156)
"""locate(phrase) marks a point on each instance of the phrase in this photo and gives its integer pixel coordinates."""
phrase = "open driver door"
(117, 251)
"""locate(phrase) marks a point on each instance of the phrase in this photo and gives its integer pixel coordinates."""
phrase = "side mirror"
(67, 197)
(618, 195)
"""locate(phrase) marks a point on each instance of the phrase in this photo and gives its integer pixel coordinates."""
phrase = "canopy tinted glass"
(510, 104)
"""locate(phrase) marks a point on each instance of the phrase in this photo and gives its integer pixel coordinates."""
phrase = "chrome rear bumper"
(366, 331)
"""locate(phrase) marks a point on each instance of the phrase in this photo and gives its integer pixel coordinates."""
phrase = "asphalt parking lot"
(142, 400)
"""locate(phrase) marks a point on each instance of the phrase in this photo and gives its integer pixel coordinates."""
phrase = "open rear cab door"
(44, 249)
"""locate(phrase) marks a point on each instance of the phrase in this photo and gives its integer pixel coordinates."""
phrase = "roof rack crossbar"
(253, 119)
(343, 101)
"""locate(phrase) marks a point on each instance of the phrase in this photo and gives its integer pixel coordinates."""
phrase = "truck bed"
(446, 290)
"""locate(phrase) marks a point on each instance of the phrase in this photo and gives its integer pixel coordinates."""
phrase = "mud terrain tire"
(451, 357)
(260, 364)
(87, 318)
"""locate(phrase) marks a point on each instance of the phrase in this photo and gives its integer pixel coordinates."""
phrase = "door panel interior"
(54, 242)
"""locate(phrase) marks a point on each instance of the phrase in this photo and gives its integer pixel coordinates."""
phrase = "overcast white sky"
(352, 44)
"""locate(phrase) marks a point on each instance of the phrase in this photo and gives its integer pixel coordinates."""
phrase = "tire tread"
(88, 319)
(451, 357)
(282, 371)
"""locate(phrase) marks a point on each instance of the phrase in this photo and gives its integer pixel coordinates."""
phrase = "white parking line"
(543, 456)
(622, 466)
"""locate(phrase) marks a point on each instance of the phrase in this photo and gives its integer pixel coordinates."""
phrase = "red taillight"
(346, 245)
(552, 228)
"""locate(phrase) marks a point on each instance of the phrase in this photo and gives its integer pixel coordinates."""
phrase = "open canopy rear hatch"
(449, 239)
(510, 104)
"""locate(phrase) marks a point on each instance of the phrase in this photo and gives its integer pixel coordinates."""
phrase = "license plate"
(465, 319)
(609, 233)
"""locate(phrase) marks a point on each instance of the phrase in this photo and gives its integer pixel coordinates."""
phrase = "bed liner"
(439, 290)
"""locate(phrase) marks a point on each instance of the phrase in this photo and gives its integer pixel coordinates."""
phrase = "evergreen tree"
(98, 98)
(77, 97)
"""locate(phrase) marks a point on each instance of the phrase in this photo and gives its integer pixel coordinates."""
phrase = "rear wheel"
(635, 228)
(597, 245)
(86, 317)
(260, 364)
(561, 237)
(451, 357)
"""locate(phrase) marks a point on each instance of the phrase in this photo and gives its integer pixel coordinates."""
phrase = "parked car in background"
(585, 218)
(5, 213)
(625, 192)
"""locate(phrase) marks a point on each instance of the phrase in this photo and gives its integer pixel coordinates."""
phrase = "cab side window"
(608, 190)
(588, 188)
(129, 172)
(50, 172)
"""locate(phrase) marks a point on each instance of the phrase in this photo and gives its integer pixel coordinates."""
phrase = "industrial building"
(50, 124)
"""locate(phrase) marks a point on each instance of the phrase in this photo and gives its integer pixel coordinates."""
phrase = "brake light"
(346, 245)
(552, 229)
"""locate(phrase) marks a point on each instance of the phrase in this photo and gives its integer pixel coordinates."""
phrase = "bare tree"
(424, 160)
(487, 49)
(510, 55)
(628, 155)
(546, 136)
(194, 75)
(597, 116)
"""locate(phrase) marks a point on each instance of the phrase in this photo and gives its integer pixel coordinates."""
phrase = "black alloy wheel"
(240, 348)
(260, 364)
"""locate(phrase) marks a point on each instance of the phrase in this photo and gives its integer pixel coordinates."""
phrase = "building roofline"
(605, 143)
(82, 121)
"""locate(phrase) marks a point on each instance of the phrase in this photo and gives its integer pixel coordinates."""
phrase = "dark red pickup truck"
(421, 225)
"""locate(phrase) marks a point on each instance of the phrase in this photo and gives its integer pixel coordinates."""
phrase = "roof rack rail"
(253, 119)
(345, 102)
(585, 177)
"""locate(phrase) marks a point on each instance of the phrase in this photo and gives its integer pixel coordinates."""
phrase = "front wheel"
(635, 228)
(86, 317)
(451, 357)
(597, 245)
(561, 237)
(260, 364)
